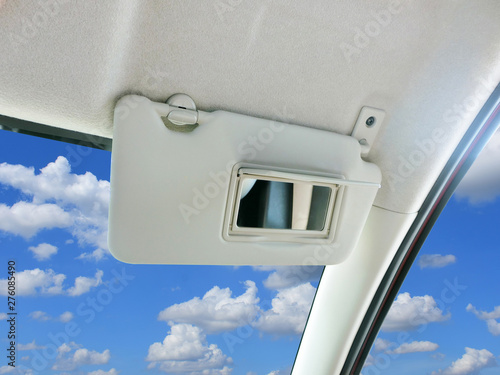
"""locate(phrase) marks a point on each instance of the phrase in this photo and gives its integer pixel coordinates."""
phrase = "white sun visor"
(192, 187)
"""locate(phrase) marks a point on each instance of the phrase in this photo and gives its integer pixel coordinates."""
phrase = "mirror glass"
(297, 205)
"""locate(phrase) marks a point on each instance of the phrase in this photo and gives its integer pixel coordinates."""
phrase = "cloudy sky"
(83, 312)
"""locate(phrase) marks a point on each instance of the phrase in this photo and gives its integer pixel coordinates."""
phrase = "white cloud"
(102, 372)
(30, 346)
(70, 356)
(489, 317)
(493, 327)
(436, 260)
(289, 311)
(280, 372)
(185, 349)
(415, 346)
(95, 256)
(65, 317)
(470, 363)
(287, 371)
(3, 316)
(184, 342)
(438, 356)
(27, 219)
(30, 282)
(287, 276)
(18, 370)
(408, 313)
(483, 315)
(43, 251)
(41, 316)
(82, 202)
(37, 281)
(482, 181)
(382, 344)
(217, 311)
(84, 284)
(370, 361)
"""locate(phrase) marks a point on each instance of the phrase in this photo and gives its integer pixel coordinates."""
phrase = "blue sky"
(83, 312)
(77, 316)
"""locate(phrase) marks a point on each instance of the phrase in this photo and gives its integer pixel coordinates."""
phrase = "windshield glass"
(79, 310)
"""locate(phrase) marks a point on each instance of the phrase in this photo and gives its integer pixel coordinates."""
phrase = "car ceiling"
(429, 65)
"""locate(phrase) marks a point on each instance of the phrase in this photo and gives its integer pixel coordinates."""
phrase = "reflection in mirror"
(283, 205)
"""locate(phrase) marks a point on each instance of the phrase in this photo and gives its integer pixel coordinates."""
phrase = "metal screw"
(370, 121)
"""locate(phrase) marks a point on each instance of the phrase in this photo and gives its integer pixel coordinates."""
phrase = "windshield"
(79, 310)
